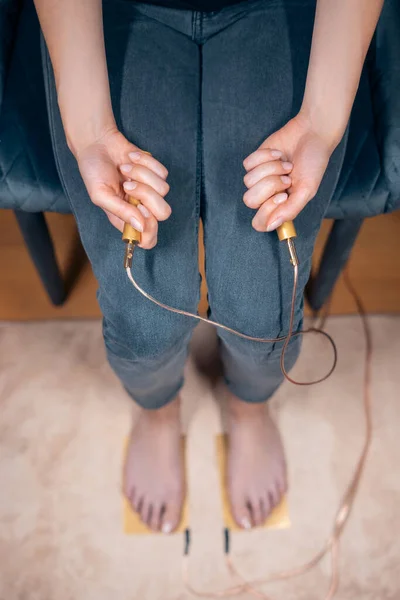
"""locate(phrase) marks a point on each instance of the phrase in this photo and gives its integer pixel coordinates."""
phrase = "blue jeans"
(200, 91)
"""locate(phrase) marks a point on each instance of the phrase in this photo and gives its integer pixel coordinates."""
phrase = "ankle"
(170, 412)
(239, 409)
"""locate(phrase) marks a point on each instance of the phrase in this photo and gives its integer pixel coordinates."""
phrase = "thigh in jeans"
(254, 74)
(154, 85)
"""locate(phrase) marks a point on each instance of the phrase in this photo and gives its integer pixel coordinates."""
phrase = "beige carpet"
(63, 419)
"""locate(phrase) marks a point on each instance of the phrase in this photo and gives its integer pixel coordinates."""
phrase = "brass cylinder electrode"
(287, 231)
(130, 235)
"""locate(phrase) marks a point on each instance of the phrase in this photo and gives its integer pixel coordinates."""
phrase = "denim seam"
(199, 147)
(193, 36)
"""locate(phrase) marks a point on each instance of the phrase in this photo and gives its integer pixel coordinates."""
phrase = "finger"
(118, 223)
(150, 227)
(274, 167)
(106, 199)
(262, 155)
(149, 235)
(138, 157)
(145, 175)
(289, 210)
(124, 152)
(149, 198)
(265, 189)
(261, 218)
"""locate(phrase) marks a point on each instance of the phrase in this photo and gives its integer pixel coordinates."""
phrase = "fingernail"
(130, 185)
(126, 168)
(287, 165)
(245, 522)
(279, 198)
(136, 224)
(274, 224)
(285, 179)
(166, 528)
(143, 210)
(276, 153)
(134, 155)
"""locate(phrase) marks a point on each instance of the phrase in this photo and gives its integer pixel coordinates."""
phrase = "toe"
(127, 490)
(277, 493)
(171, 515)
(240, 512)
(131, 497)
(144, 511)
(267, 504)
(256, 511)
(155, 519)
(264, 508)
(272, 499)
(283, 485)
(137, 503)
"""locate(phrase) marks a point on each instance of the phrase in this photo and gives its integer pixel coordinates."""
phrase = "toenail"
(245, 522)
(166, 528)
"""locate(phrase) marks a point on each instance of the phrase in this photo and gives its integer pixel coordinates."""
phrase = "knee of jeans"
(255, 355)
(146, 340)
(261, 323)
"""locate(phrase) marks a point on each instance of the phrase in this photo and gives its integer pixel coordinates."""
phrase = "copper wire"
(332, 543)
(284, 338)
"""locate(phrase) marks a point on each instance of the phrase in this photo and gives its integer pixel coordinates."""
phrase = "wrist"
(89, 133)
(327, 126)
(86, 116)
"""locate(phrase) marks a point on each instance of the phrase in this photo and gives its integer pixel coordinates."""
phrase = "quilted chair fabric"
(28, 176)
(369, 183)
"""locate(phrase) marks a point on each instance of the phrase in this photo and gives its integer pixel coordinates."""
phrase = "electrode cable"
(284, 338)
(346, 504)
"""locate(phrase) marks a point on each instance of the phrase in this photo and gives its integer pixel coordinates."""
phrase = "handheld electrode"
(130, 235)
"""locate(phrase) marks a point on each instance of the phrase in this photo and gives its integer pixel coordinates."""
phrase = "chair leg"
(335, 255)
(37, 238)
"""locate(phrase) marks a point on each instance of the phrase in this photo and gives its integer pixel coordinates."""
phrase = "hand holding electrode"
(285, 172)
(113, 170)
(146, 192)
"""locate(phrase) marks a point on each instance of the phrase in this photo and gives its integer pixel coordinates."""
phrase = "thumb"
(300, 195)
(105, 198)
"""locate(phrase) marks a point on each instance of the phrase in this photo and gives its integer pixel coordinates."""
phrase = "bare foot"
(256, 469)
(154, 476)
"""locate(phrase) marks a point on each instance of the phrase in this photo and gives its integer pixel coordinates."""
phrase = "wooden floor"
(374, 270)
